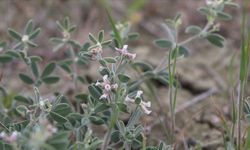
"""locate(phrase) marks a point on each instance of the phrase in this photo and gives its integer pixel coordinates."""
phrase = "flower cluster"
(96, 52)
(45, 105)
(9, 138)
(124, 52)
(144, 105)
(107, 87)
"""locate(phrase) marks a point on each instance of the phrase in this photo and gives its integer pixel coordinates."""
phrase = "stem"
(111, 126)
(73, 56)
(207, 26)
(239, 113)
(172, 99)
(75, 74)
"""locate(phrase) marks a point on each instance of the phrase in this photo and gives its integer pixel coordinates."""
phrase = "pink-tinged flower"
(106, 86)
(124, 52)
(144, 105)
(96, 52)
(9, 138)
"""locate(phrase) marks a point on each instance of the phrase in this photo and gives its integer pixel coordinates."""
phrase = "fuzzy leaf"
(100, 36)
(5, 59)
(14, 34)
(162, 43)
(26, 79)
(123, 78)
(50, 80)
(48, 69)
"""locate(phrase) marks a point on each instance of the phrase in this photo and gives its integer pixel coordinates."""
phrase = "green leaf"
(101, 36)
(66, 22)
(75, 119)
(12, 54)
(114, 29)
(66, 67)
(103, 63)
(94, 91)
(133, 36)
(62, 109)
(34, 33)
(5, 59)
(122, 107)
(2, 45)
(21, 109)
(56, 40)
(23, 99)
(34, 69)
(60, 26)
(35, 59)
(48, 69)
(29, 27)
(14, 34)
(26, 79)
(92, 38)
(96, 120)
(82, 97)
(110, 60)
(144, 66)
(106, 43)
(216, 39)
(59, 141)
(224, 16)
(115, 136)
(85, 47)
(50, 80)
(123, 78)
(232, 4)
(32, 44)
(58, 118)
(193, 29)
(162, 43)
(7, 100)
(182, 51)
(204, 11)
(102, 107)
(72, 29)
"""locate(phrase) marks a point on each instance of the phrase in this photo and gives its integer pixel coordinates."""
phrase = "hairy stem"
(111, 126)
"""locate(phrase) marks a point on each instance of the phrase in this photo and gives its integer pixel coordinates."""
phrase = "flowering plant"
(68, 121)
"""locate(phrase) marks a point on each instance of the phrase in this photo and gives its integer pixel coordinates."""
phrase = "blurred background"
(206, 70)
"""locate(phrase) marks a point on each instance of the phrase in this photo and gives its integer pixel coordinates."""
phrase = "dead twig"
(196, 99)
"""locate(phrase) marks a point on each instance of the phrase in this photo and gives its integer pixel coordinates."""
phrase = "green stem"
(73, 57)
(111, 126)
(240, 106)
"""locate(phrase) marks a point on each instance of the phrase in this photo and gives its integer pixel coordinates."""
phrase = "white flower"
(25, 38)
(45, 104)
(106, 86)
(9, 138)
(41, 103)
(104, 96)
(2, 134)
(138, 94)
(144, 105)
(125, 52)
(128, 99)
